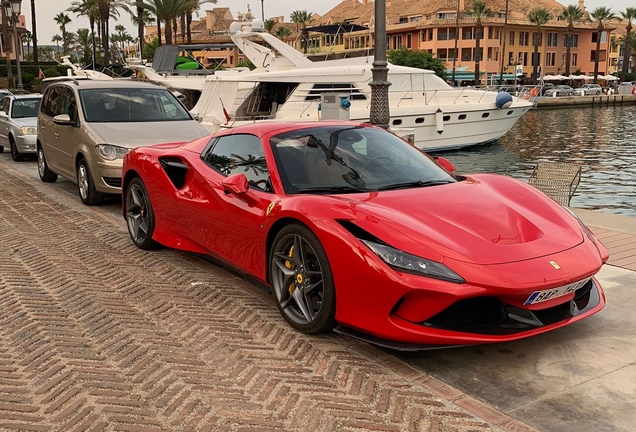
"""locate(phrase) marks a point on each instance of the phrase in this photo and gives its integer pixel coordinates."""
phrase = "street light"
(380, 114)
(13, 8)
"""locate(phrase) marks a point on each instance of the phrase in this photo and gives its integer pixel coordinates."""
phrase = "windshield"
(337, 159)
(23, 108)
(126, 105)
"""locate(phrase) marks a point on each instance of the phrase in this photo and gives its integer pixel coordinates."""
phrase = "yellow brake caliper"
(290, 265)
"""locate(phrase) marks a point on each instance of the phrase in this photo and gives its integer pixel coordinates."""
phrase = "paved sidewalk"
(98, 335)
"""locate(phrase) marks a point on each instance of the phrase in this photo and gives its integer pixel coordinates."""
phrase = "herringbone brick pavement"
(96, 335)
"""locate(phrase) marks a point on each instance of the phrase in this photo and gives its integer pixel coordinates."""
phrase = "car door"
(62, 141)
(228, 224)
(5, 103)
(51, 107)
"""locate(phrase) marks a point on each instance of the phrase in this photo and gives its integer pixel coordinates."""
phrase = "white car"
(589, 89)
(18, 124)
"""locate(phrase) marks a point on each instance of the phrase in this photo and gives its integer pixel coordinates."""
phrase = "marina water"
(602, 140)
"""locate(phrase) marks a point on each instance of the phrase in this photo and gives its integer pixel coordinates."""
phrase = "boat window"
(397, 122)
(446, 118)
(484, 115)
(462, 117)
(509, 112)
(419, 120)
(318, 89)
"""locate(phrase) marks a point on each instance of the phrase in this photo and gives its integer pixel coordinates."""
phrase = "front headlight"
(29, 130)
(408, 263)
(110, 152)
(585, 229)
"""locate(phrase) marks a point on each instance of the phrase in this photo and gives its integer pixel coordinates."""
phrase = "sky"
(47, 9)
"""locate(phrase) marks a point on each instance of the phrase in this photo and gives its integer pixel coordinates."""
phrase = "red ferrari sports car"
(355, 230)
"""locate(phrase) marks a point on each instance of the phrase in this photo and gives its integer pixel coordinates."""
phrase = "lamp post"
(12, 9)
(379, 114)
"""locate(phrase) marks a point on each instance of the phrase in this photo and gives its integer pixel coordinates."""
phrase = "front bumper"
(107, 176)
(26, 143)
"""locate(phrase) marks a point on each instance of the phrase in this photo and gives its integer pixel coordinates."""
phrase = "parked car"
(545, 87)
(85, 127)
(18, 124)
(560, 90)
(351, 226)
(589, 89)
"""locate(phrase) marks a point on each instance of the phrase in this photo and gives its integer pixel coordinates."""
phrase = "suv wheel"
(46, 175)
(86, 186)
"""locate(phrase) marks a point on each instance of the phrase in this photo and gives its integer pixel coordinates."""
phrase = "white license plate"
(549, 294)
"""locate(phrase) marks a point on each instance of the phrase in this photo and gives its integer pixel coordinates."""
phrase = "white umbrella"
(608, 77)
(549, 78)
(581, 77)
(560, 77)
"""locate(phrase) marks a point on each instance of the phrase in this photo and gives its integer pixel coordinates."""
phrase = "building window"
(404, 20)
(408, 40)
(550, 59)
(575, 40)
(525, 59)
(446, 15)
(442, 34)
(442, 54)
(553, 39)
(415, 18)
(511, 58)
(534, 39)
(603, 37)
(468, 33)
(467, 54)
(512, 38)
(524, 38)
(601, 56)
(501, 15)
(574, 58)
(397, 41)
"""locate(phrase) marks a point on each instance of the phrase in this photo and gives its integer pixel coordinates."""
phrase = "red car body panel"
(498, 233)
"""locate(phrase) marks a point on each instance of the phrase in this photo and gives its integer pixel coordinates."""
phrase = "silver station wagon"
(18, 124)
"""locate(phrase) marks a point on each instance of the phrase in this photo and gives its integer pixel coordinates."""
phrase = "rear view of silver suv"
(85, 127)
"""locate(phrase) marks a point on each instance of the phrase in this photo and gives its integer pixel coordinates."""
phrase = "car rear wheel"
(302, 280)
(86, 185)
(140, 217)
(46, 175)
(15, 153)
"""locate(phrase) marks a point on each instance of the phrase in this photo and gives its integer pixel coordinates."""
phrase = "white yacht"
(286, 86)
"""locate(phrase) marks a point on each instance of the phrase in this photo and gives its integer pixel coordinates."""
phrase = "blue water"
(600, 139)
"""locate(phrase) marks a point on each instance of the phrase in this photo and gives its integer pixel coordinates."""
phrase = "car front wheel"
(302, 280)
(46, 175)
(15, 153)
(86, 185)
(140, 216)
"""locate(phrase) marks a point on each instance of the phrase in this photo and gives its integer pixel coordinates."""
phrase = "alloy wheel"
(82, 181)
(41, 162)
(137, 214)
(298, 279)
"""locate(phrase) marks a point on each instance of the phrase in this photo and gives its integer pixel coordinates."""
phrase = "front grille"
(112, 181)
(583, 290)
(470, 314)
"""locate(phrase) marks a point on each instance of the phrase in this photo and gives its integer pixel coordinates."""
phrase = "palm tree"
(168, 11)
(57, 39)
(601, 15)
(89, 9)
(269, 25)
(570, 14)
(84, 43)
(479, 12)
(539, 17)
(34, 31)
(27, 38)
(146, 19)
(109, 9)
(302, 18)
(282, 32)
(629, 14)
(62, 20)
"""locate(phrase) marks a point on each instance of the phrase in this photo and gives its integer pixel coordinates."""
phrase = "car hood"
(26, 121)
(133, 135)
(485, 219)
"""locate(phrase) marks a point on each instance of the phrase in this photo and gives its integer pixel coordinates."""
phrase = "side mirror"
(62, 119)
(236, 183)
(3, 114)
(197, 117)
(445, 163)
